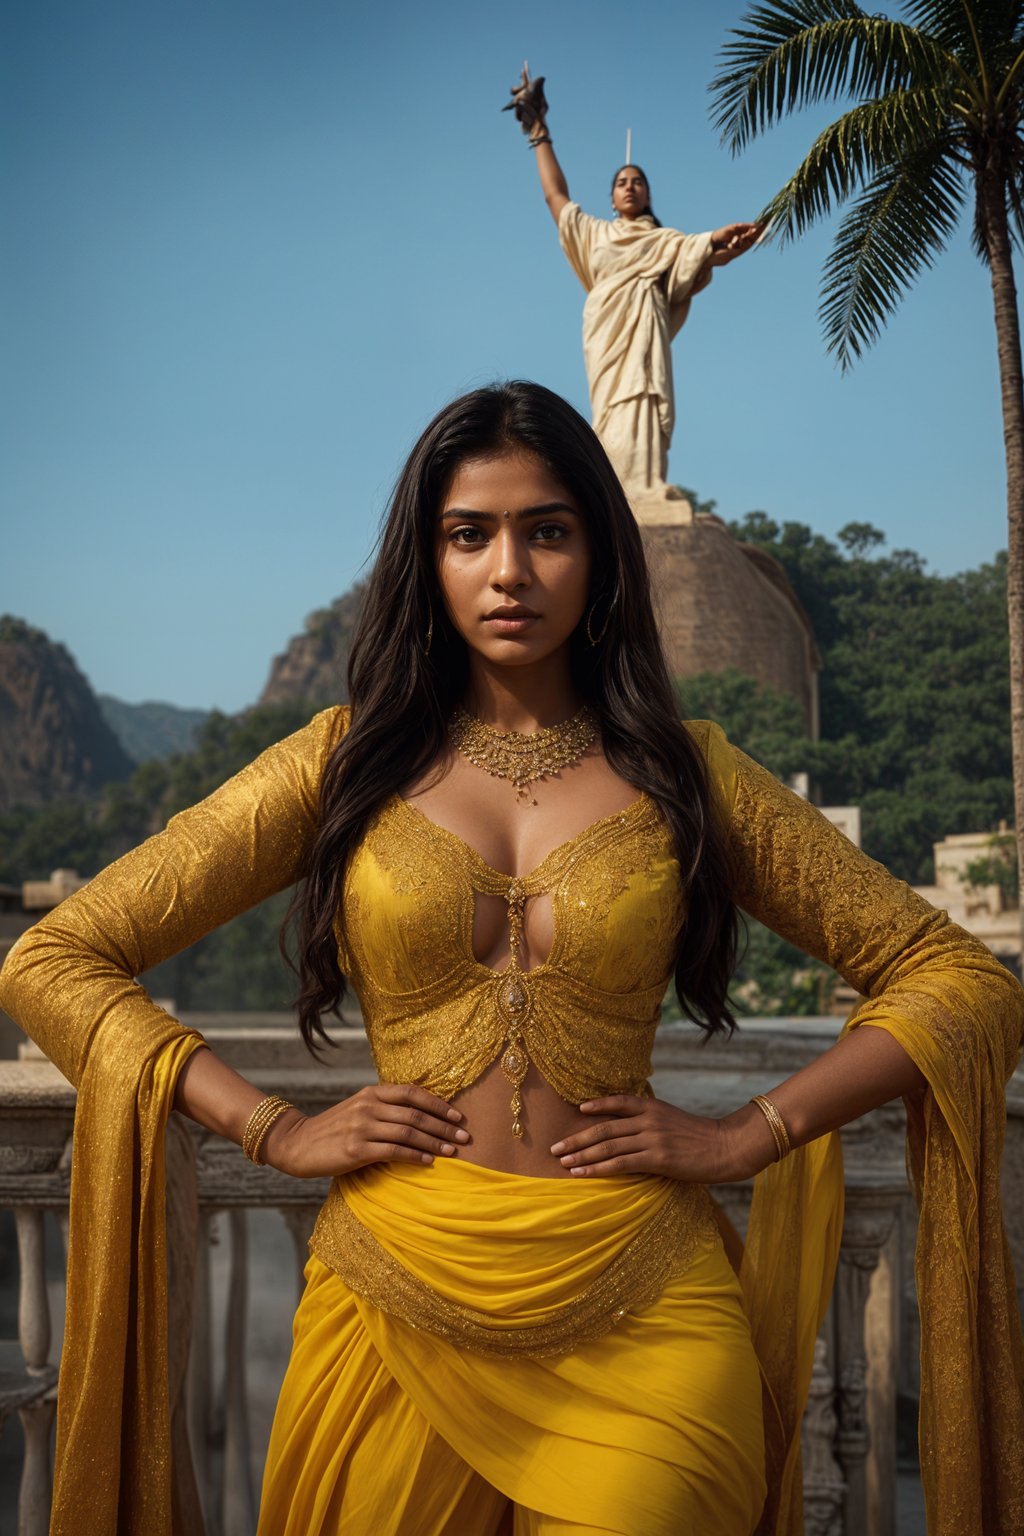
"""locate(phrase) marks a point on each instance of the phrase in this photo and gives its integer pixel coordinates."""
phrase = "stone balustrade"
(866, 1352)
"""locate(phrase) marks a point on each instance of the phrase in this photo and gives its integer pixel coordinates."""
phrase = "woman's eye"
(549, 532)
(466, 535)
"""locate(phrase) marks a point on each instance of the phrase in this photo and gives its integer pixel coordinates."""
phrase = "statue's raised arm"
(531, 109)
(640, 278)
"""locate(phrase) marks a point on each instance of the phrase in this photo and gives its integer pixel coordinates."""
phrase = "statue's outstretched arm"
(531, 109)
(732, 240)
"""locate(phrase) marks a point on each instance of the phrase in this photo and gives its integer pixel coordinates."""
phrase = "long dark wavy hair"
(632, 166)
(403, 693)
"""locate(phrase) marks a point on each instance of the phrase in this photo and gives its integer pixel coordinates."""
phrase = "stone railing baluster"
(239, 1505)
(34, 1333)
(200, 1376)
(870, 1493)
(824, 1488)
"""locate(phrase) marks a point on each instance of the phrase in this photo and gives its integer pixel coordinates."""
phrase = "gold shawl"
(69, 983)
(959, 1014)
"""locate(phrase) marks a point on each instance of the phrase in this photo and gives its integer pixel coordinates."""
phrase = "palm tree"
(939, 116)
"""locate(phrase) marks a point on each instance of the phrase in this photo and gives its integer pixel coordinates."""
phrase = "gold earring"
(590, 615)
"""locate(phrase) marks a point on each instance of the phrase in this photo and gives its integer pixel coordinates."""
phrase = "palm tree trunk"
(1004, 295)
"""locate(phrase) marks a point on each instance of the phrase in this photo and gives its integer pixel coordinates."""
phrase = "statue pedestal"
(664, 507)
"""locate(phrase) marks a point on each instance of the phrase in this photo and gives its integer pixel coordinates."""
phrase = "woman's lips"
(510, 625)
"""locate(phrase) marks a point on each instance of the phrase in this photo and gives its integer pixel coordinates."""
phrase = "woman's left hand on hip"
(633, 1134)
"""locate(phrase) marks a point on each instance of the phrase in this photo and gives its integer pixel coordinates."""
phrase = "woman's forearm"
(862, 1071)
(552, 178)
(215, 1095)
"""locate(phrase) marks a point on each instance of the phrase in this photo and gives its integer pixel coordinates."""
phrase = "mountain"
(148, 731)
(54, 741)
(314, 667)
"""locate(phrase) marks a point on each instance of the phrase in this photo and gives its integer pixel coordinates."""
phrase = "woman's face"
(630, 194)
(513, 559)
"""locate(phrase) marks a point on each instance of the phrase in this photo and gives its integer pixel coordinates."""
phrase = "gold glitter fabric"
(69, 982)
(959, 1014)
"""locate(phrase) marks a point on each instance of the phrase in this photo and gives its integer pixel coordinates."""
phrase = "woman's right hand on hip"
(382, 1123)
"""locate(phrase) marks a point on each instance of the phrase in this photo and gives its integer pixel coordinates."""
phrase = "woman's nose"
(511, 565)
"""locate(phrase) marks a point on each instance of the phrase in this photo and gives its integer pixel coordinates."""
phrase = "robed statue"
(640, 279)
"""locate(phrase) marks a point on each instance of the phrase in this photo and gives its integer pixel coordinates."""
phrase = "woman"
(640, 280)
(519, 1313)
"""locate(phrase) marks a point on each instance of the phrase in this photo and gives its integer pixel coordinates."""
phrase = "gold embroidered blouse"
(437, 1016)
(433, 1015)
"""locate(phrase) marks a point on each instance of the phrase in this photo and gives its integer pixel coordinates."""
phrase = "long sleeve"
(70, 980)
(70, 983)
(959, 1014)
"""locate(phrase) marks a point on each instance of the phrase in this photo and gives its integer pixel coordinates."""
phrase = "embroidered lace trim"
(665, 1246)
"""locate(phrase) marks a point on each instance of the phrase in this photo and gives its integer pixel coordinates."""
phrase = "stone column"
(824, 1488)
(870, 1493)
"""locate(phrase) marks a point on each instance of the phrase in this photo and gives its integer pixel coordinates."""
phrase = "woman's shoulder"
(719, 758)
(291, 769)
(573, 217)
(707, 736)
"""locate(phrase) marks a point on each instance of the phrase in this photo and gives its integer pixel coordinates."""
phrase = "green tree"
(998, 867)
(914, 689)
(762, 721)
(937, 123)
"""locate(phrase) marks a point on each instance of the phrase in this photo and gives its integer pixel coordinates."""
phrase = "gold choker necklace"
(519, 756)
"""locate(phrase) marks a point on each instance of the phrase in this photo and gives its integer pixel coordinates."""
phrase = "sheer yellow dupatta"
(69, 982)
(960, 1015)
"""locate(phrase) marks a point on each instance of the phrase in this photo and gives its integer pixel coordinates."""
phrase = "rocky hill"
(150, 730)
(54, 741)
(314, 667)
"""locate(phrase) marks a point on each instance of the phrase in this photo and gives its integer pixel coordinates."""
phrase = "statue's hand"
(528, 102)
(732, 240)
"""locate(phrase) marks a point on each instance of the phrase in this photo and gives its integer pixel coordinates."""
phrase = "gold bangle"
(776, 1124)
(267, 1111)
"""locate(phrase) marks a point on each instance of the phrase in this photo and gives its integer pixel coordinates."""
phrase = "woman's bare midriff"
(488, 1119)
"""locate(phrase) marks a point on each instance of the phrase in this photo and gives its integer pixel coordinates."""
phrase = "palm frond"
(894, 230)
(958, 24)
(1015, 200)
(855, 149)
(792, 53)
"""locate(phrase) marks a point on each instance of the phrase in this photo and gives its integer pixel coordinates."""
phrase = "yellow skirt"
(385, 1428)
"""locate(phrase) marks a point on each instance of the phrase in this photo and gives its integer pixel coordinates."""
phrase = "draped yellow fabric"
(960, 1016)
(69, 982)
(430, 1012)
(651, 1429)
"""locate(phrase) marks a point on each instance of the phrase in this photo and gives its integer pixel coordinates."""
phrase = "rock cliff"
(54, 741)
(314, 667)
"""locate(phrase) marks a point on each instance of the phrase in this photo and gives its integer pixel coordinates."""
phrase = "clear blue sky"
(250, 246)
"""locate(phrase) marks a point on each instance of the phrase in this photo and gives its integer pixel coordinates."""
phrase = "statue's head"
(631, 194)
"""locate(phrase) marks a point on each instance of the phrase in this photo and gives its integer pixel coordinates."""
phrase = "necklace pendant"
(515, 1064)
